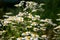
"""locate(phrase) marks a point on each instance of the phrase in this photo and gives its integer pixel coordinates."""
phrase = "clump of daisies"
(27, 25)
